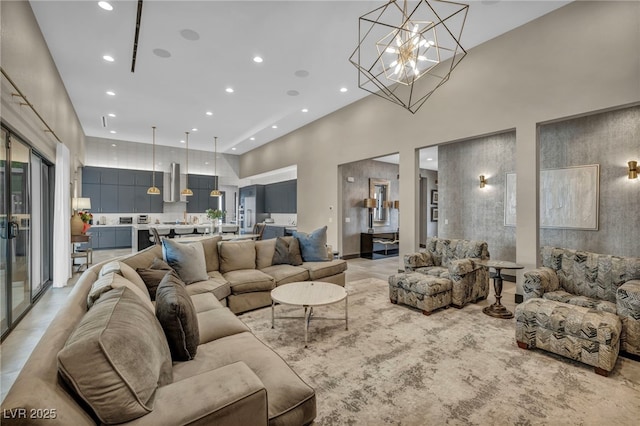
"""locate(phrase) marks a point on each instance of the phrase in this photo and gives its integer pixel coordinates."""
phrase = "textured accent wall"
(353, 194)
(609, 139)
(428, 228)
(474, 213)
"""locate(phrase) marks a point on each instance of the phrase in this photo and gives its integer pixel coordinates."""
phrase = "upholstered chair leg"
(427, 313)
(522, 345)
(601, 371)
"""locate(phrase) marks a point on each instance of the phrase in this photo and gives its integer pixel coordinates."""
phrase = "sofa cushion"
(284, 274)
(210, 246)
(187, 259)
(249, 280)
(153, 275)
(218, 323)
(143, 258)
(219, 288)
(205, 302)
(126, 271)
(287, 252)
(178, 318)
(288, 394)
(116, 358)
(264, 252)
(111, 281)
(319, 270)
(313, 246)
(576, 300)
(235, 255)
(434, 271)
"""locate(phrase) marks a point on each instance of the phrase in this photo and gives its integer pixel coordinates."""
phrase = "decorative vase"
(77, 225)
(85, 227)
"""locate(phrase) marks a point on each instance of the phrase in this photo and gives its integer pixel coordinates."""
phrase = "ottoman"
(421, 291)
(576, 332)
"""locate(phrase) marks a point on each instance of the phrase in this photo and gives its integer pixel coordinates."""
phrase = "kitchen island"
(141, 232)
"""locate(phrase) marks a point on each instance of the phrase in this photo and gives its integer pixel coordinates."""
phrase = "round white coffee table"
(309, 294)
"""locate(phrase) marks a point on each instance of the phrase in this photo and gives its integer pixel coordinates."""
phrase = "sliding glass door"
(25, 243)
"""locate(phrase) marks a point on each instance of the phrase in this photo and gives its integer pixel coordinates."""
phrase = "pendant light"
(216, 192)
(154, 190)
(186, 191)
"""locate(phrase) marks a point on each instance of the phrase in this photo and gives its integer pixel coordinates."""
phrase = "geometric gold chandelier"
(407, 49)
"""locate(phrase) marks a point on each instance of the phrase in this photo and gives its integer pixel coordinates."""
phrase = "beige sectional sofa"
(111, 363)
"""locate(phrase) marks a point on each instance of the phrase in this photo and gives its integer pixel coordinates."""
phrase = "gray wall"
(472, 212)
(26, 59)
(428, 228)
(353, 195)
(502, 84)
(579, 142)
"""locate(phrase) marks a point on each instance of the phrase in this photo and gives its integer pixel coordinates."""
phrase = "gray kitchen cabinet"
(126, 177)
(126, 198)
(90, 175)
(92, 191)
(123, 237)
(142, 201)
(156, 204)
(281, 197)
(143, 178)
(108, 199)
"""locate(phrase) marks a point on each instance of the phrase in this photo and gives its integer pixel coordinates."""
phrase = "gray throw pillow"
(313, 246)
(187, 259)
(178, 318)
(287, 252)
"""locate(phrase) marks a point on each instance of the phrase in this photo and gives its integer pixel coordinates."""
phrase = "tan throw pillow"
(114, 281)
(235, 255)
(178, 318)
(116, 358)
(187, 259)
(126, 271)
(210, 246)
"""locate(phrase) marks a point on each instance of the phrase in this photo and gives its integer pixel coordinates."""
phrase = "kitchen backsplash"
(175, 212)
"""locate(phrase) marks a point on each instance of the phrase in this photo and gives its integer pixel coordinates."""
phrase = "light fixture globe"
(187, 192)
(408, 49)
(153, 190)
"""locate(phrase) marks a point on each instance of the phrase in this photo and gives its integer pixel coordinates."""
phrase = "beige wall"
(24, 56)
(556, 66)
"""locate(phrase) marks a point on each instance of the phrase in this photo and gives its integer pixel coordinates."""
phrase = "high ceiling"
(190, 52)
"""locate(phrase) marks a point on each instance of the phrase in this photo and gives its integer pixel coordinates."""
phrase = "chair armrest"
(461, 267)
(229, 395)
(539, 281)
(417, 260)
(628, 299)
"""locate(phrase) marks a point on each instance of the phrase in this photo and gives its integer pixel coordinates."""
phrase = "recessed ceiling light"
(429, 159)
(209, 113)
(105, 5)
(194, 130)
(191, 35)
(112, 115)
(252, 138)
(206, 163)
(233, 149)
(343, 89)
(181, 141)
(113, 132)
(111, 93)
(113, 144)
(293, 92)
(274, 127)
(161, 53)
(305, 110)
(108, 58)
(229, 90)
(257, 59)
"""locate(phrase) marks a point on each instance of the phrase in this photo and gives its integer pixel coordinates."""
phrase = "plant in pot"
(215, 216)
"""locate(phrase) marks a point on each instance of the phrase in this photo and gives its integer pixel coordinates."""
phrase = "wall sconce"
(483, 181)
(633, 169)
(370, 203)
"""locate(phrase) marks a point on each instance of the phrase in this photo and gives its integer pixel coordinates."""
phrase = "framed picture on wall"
(434, 196)
(434, 214)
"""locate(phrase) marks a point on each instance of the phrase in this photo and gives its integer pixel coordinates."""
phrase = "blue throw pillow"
(313, 246)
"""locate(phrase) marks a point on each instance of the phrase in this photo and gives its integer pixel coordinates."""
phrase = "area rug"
(395, 366)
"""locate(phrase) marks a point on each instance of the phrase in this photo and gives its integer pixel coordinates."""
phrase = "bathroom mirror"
(379, 190)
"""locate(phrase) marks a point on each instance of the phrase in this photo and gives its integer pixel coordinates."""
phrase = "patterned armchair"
(597, 281)
(455, 260)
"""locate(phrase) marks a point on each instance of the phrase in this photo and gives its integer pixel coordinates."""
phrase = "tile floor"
(17, 347)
